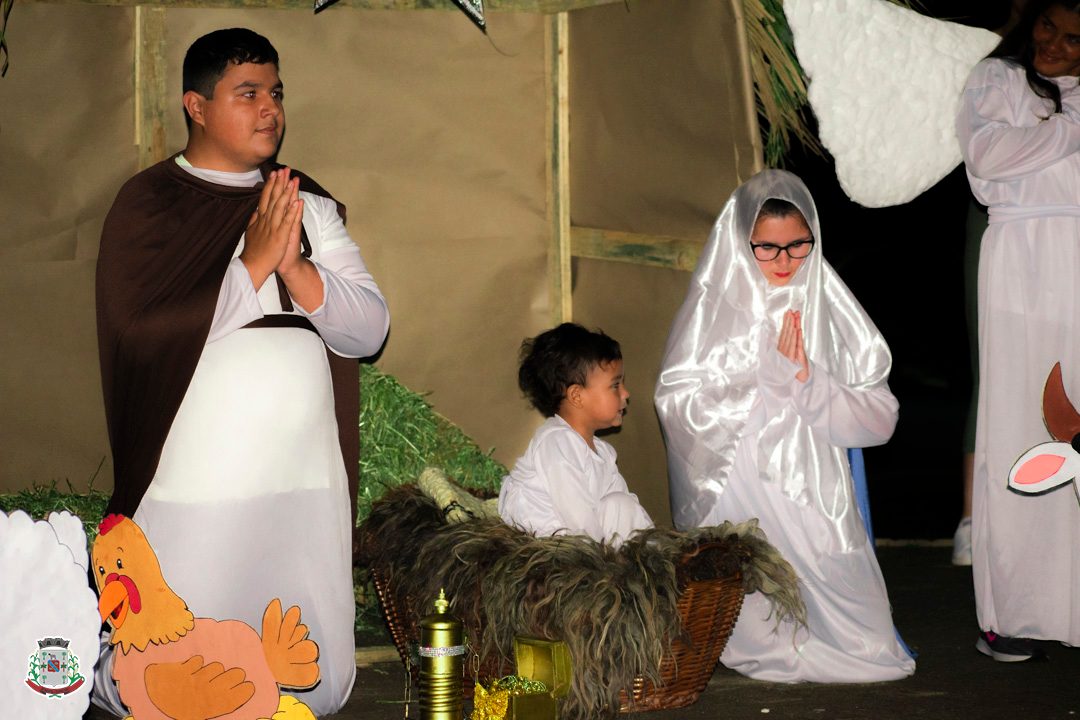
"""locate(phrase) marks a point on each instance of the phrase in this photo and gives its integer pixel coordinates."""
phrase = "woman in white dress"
(1019, 129)
(771, 371)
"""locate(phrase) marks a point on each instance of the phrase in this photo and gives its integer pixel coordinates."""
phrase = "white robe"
(849, 635)
(560, 485)
(250, 499)
(1023, 161)
(746, 440)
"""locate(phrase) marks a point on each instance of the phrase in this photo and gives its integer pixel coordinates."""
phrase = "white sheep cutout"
(49, 615)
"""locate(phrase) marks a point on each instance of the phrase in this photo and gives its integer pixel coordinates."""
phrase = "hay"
(615, 609)
(400, 435)
(40, 500)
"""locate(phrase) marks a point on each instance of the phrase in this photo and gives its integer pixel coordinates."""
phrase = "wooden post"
(746, 75)
(556, 35)
(150, 95)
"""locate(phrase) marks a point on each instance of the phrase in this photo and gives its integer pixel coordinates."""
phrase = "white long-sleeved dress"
(849, 635)
(1023, 161)
(250, 499)
(745, 439)
(561, 485)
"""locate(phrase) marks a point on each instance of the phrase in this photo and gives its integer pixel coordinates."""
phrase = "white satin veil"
(708, 381)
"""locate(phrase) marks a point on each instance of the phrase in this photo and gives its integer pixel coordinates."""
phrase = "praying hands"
(791, 343)
(272, 241)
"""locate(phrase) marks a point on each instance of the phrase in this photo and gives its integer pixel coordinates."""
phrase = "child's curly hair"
(558, 358)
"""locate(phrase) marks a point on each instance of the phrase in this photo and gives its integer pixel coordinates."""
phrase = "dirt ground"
(934, 610)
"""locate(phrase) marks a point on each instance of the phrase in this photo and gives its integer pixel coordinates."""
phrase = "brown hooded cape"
(166, 244)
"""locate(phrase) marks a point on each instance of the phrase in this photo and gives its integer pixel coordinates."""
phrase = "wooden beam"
(556, 35)
(547, 7)
(150, 84)
(368, 656)
(652, 250)
(749, 100)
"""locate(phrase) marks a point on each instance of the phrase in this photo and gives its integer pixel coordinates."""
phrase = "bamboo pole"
(746, 73)
(653, 250)
(150, 95)
(556, 35)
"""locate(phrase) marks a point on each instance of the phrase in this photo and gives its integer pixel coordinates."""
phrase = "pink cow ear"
(1038, 468)
(1044, 468)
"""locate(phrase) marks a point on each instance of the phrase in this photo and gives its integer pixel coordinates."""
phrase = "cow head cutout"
(1050, 465)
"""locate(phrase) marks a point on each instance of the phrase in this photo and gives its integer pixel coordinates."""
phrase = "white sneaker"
(961, 543)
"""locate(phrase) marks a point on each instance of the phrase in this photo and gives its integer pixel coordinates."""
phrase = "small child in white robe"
(567, 481)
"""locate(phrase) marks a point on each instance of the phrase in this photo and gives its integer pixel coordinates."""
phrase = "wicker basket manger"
(708, 609)
(405, 534)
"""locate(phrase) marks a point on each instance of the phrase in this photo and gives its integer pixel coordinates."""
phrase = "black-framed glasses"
(796, 250)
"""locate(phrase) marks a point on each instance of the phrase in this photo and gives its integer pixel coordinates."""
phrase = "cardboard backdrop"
(435, 141)
(66, 145)
(661, 132)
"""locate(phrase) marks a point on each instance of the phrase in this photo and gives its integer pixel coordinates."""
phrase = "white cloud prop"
(44, 593)
(885, 84)
(70, 532)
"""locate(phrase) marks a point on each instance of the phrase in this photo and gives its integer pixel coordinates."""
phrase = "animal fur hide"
(615, 609)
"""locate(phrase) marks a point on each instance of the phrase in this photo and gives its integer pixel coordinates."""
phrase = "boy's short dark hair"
(556, 359)
(207, 58)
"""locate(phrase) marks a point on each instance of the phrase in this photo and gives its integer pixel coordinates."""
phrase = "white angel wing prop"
(885, 84)
(1045, 467)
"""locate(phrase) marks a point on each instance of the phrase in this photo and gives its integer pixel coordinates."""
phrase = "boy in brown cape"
(230, 299)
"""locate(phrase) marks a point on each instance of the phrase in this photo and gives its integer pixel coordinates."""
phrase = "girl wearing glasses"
(772, 370)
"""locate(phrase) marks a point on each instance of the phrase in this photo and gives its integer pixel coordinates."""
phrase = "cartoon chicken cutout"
(172, 665)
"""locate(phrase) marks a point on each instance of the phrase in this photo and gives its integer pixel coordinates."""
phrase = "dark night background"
(905, 265)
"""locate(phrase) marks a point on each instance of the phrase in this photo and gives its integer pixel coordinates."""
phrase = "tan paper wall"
(661, 118)
(66, 145)
(661, 132)
(436, 142)
(635, 305)
(433, 138)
